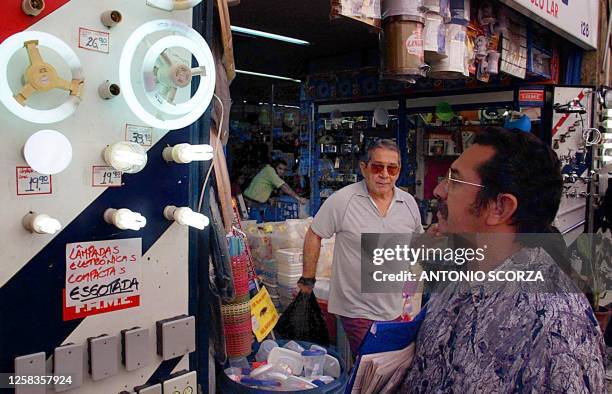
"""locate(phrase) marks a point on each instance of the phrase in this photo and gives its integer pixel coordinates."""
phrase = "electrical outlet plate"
(103, 356)
(135, 348)
(30, 365)
(155, 389)
(175, 336)
(185, 383)
(68, 361)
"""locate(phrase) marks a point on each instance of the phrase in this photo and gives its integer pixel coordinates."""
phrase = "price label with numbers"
(142, 135)
(104, 176)
(94, 40)
(30, 182)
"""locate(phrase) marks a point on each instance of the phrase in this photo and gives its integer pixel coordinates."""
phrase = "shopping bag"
(303, 321)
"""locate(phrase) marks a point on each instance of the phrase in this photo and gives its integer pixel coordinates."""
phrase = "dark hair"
(528, 169)
(276, 162)
(381, 144)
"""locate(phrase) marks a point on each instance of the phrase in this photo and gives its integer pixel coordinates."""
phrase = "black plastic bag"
(303, 321)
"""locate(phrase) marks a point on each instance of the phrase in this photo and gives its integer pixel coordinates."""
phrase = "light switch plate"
(175, 336)
(135, 348)
(103, 356)
(155, 389)
(68, 361)
(31, 365)
(185, 383)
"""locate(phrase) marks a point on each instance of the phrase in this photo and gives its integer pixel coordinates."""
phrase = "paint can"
(454, 65)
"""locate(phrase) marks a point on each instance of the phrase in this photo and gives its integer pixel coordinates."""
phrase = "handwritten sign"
(102, 276)
(263, 314)
(105, 176)
(30, 182)
(142, 135)
(93, 40)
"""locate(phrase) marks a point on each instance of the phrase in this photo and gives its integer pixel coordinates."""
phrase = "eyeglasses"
(392, 169)
(448, 181)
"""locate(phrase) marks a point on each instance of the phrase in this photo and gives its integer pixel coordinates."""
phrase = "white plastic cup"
(313, 362)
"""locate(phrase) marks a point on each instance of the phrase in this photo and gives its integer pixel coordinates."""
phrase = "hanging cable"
(212, 163)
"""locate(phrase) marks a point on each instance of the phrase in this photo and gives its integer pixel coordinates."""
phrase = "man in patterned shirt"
(506, 337)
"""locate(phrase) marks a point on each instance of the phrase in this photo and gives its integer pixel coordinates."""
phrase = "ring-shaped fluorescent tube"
(203, 56)
(8, 48)
(147, 71)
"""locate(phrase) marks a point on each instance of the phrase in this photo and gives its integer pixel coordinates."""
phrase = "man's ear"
(502, 210)
(362, 166)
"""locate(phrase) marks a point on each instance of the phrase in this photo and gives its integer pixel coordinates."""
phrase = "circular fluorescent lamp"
(128, 157)
(181, 36)
(40, 77)
(48, 152)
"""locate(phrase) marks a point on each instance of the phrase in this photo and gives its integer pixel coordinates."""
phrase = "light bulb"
(186, 153)
(607, 124)
(125, 219)
(186, 217)
(128, 157)
(41, 223)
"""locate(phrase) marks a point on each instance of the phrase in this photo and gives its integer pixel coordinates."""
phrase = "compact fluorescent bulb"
(124, 219)
(186, 153)
(186, 217)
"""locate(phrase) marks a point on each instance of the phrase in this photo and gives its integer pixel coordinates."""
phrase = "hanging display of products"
(454, 65)
(514, 47)
(434, 37)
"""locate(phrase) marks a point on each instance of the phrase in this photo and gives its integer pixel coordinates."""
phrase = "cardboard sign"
(105, 176)
(263, 314)
(102, 276)
(93, 40)
(30, 182)
(142, 135)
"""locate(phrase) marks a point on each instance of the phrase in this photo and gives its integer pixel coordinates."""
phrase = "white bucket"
(454, 66)
(434, 37)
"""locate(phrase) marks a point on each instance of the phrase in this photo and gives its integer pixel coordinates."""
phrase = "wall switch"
(30, 365)
(175, 336)
(135, 348)
(68, 361)
(103, 356)
(185, 383)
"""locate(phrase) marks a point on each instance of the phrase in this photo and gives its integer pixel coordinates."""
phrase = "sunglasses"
(392, 169)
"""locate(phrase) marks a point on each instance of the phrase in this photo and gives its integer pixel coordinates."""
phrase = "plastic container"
(260, 383)
(317, 347)
(294, 383)
(287, 280)
(240, 363)
(265, 349)
(313, 362)
(289, 257)
(293, 345)
(235, 373)
(331, 366)
(282, 356)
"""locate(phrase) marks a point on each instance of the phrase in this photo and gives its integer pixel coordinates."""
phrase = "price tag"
(105, 176)
(30, 182)
(93, 40)
(142, 135)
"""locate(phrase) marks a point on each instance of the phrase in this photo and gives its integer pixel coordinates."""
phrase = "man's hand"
(434, 230)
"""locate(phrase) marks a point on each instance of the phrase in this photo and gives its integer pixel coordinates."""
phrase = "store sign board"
(576, 20)
(531, 98)
(102, 276)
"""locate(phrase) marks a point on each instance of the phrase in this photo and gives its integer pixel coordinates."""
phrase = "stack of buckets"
(447, 21)
(237, 313)
(419, 35)
(288, 271)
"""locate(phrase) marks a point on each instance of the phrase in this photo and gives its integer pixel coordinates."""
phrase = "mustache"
(443, 209)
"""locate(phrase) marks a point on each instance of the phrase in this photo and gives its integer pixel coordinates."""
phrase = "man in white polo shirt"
(374, 205)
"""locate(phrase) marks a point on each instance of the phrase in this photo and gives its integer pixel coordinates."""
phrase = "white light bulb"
(186, 153)
(125, 219)
(128, 157)
(186, 217)
(41, 223)
(607, 124)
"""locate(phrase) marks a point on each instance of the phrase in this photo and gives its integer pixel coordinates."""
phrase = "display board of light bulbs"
(160, 53)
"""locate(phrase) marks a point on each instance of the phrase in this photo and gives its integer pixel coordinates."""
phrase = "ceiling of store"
(333, 43)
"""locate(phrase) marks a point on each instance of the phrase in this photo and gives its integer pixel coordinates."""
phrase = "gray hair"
(381, 144)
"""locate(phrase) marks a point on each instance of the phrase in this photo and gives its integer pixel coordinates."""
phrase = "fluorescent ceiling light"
(278, 37)
(268, 76)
